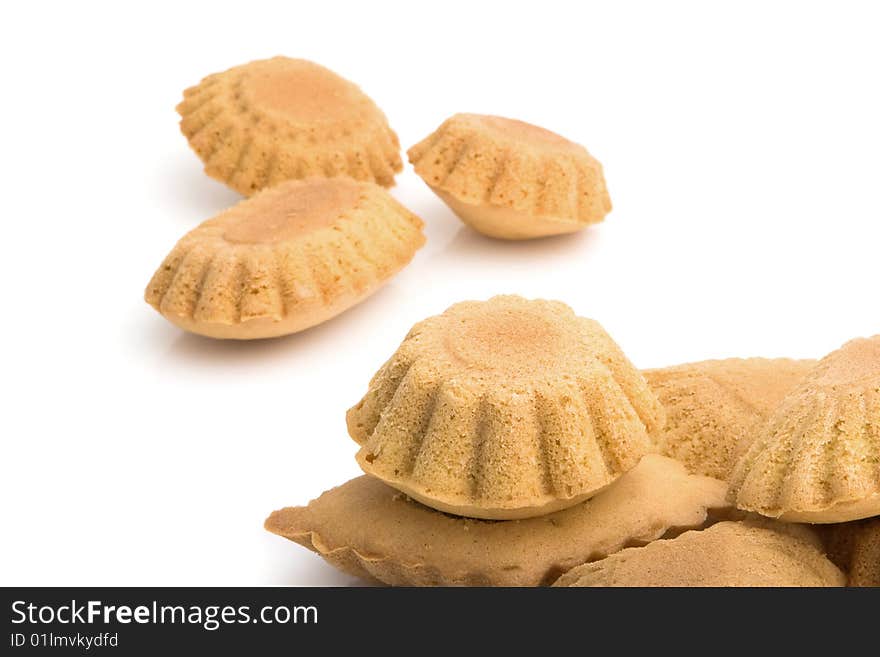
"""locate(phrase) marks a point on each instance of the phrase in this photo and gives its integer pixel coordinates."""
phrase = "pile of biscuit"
(510, 442)
(319, 231)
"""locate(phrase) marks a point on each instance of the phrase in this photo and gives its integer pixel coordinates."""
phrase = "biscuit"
(817, 459)
(285, 259)
(714, 407)
(855, 548)
(506, 408)
(510, 179)
(726, 554)
(277, 119)
(370, 530)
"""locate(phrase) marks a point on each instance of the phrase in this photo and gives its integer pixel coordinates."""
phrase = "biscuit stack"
(510, 442)
(504, 409)
(504, 442)
(817, 459)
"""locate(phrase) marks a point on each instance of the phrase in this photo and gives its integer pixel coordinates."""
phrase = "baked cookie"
(370, 530)
(506, 408)
(714, 407)
(510, 179)
(855, 548)
(725, 554)
(818, 458)
(286, 259)
(278, 119)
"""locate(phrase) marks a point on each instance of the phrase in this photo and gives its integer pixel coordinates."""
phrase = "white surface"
(741, 152)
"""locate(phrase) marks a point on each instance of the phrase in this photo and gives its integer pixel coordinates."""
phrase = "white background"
(742, 151)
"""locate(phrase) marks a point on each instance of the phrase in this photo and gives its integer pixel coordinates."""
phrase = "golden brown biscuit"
(714, 407)
(855, 548)
(510, 179)
(726, 554)
(370, 530)
(506, 408)
(278, 119)
(286, 259)
(818, 458)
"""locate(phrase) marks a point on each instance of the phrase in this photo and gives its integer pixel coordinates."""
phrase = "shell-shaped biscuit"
(506, 408)
(714, 407)
(277, 119)
(855, 548)
(286, 259)
(370, 530)
(750, 553)
(510, 179)
(818, 457)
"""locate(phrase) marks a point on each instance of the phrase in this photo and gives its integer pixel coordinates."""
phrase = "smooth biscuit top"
(293, 212)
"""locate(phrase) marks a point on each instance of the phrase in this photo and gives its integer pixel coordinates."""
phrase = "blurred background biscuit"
(286, 259)
(270, 120)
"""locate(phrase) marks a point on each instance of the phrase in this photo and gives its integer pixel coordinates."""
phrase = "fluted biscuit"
(286, 259)
(506, 408)
(278, 119)
(371, 530)
(818, 457)
(511, 179)
(714, 407)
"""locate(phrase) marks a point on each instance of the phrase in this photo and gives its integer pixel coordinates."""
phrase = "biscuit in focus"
(817, 460)
(506, 408)
(510, 179)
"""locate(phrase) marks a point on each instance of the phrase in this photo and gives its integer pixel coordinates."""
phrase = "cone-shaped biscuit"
(510, 179)
(855, 547)
(506, 408)
(286, 259)
(818, 457)
(726, 554)
(714, 407)
(278, 119)
(370, 530)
